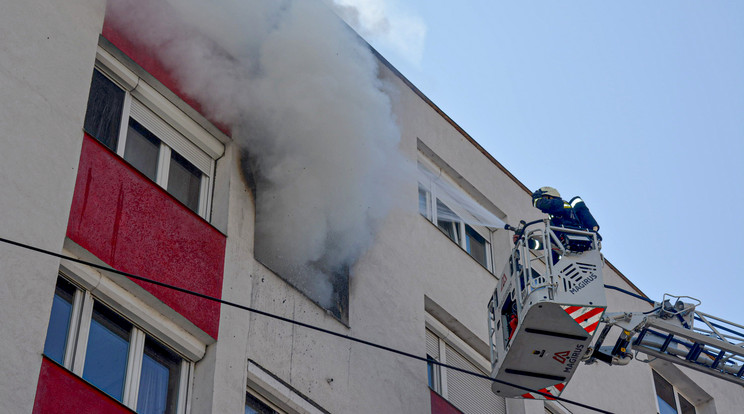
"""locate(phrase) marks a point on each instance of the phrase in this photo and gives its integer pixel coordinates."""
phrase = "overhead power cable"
(298, 323)
(629, 293)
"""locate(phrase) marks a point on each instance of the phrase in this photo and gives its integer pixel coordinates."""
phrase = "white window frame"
(175, 130)
(433, 195)
(91, 286)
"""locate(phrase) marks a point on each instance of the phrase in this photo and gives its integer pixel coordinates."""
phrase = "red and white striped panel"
(586, 316)
(554, 390)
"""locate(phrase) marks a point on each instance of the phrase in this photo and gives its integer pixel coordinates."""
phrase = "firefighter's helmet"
(548, 191)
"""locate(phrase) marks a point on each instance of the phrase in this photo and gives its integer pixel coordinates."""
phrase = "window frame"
(176, 131)
(434, 196)
(675, 392)
(79, 332)
(450, 340)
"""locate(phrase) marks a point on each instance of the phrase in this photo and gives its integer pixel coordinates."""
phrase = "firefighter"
(572, 214)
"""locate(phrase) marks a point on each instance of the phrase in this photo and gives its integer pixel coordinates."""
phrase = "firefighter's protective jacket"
(574, 214)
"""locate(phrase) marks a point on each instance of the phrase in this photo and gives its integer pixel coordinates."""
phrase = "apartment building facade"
(105, 160)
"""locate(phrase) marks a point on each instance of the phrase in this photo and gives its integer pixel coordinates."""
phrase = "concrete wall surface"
(46, 59)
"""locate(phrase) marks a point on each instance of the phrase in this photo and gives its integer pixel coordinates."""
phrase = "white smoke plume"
(301, 94)
(385, 23)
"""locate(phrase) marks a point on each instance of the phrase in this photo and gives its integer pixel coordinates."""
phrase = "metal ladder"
(714, 346)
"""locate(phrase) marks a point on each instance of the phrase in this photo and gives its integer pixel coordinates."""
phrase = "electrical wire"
(630, 294)
(298, 323)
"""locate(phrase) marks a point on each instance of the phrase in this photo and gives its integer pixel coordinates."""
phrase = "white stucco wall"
(46, 55)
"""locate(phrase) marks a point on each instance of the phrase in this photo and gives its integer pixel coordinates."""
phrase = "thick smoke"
(301, 95)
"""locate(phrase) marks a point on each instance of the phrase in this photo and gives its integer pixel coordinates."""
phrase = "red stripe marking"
(572, 309)
(591, 328)
(560, 386)
(528, 395)
(589, 314)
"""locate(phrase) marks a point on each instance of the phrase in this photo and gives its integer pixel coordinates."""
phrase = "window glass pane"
(184, 181)
(255, 406)
(685, 406)
(664, 395)
(159, 381)
(108, 347)
(142, 149)
(423, 197)
(432, 371)
(476, 245)
(103, 117)
(448, 222)
(59, 321)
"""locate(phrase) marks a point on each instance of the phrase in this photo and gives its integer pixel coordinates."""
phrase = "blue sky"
(637, 106)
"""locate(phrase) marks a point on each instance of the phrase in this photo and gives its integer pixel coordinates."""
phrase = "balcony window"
(159, 379)
(59, 323)
(113, 354)
(107, 351)
(142, 150)
(184, 181)
(151, 145)
(105, 106)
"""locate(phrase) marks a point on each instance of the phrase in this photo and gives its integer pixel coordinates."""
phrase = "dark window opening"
(184, 181)
(103, 116)
(476, 246)
(142, 150)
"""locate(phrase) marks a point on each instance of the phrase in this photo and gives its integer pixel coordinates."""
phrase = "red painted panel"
(132, 224)
(441, 406)
(62, 392)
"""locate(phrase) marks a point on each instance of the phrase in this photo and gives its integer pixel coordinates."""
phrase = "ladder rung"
(718, 359)
(640, 336)
(666, 343)
(694, 352)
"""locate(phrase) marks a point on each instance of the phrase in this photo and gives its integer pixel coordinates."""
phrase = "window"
(468, 393)
(451, 217)
(159, 151)
(448, 222)
(669, 401)
(95, 342)
(433, 374)
(475, 245)
(56, 344)
(255, 405)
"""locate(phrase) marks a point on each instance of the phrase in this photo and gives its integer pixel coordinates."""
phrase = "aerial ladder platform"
(550, 302)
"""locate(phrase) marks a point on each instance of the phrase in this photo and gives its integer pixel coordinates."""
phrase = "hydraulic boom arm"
(676, 333)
